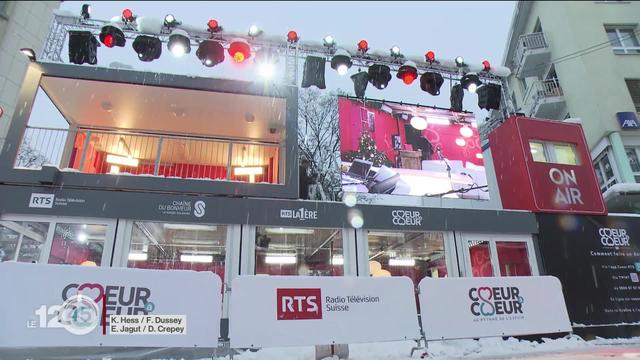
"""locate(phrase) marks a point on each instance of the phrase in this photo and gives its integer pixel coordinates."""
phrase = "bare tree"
(29, 157)
(319, 142)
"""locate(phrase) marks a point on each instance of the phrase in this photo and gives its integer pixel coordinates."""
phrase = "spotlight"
(459, 61)
(127, 16)
(292, 37)
(86, 11)
(407, 72)
(170, 21)
(457, 94)
(148, 48)
(430, 56)
(395, 51)
(419, 123)
(363, 46)
(489, 96)
(341, 61)
(210, 52)
(266, 61)
(360, 82)
(379, 75)
(213, 26)
(254, 31)
(466, 131)
(111, 35)
(239, 50)
(328, 41)
(83, 47)
(486, 65)
(29, 53)
(313, 72)
(431, 82)
(179, 43)
(470, 81)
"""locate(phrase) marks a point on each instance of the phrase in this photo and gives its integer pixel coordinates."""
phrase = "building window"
(78, 244)
(634, 90)
(604, 171)
(633, 153)
(554, 152)
(498, 255)
(22, 240)
(623, 39)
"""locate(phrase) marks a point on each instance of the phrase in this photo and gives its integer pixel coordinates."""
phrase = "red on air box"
(299, 304)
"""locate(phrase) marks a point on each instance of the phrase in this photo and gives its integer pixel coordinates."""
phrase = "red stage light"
(408, 77)
(486, 65)
(430, 56)
(108, 40)
(239, 51)
(213, 25)
(363, 45)
(292, 36)
(127, 15)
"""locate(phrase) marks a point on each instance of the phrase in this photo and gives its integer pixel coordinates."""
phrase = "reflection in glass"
(480, 255)
(78, 244)
(537, 151)
(293, 251)
(22, 240)
(565, 154)
(413, 254)
(513, 258)
(178, 246)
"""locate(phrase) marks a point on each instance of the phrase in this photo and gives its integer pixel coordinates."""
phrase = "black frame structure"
(52, 176)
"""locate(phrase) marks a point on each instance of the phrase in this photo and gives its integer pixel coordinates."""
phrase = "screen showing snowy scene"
(388, 148)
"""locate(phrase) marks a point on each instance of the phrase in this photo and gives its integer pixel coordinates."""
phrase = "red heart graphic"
(92, 286)
(489, 293)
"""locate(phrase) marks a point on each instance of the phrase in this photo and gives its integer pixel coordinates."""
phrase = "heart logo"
(485, 293)
(96, 292)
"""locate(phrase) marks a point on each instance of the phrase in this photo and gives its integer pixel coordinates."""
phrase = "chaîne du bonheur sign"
(67, 306)
(316, 310)
(455, 308)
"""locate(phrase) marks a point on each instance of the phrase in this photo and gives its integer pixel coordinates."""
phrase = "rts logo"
(299, 304)
(44, 201)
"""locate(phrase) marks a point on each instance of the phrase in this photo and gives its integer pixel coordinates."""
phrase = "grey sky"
(474, 30)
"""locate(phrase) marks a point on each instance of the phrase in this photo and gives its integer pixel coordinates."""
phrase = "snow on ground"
(489, 348)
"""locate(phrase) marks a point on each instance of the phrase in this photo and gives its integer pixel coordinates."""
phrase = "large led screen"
(396, 149)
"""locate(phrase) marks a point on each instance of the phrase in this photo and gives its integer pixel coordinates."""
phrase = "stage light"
(395, 51)
(86, 11)
(419, 123)
(313, 73)
(479, 156)
(430, 56)
(210, 53)
(127, 15)
(170, 21)
(363, 46)
(239, 50)
(486, 65)
(457, 94)
(470, 81)
(360, 82)
(266, 61)
(379, 75)
(213, 26)
(489, 96)
(292, 36)
(179, 43)
(408, 72)
(111, 35)
(30, 54)
(341, 61)
(83, 47)
(431, 82)
(459, 61)
(461, 142)
(466, 131)
(328, 41)
(148, 48)
(254, 31)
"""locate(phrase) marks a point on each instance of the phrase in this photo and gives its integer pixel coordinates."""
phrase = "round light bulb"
(328, 40)
(266, 70)
(466, 131)
(418, 123)
(169, 19)
(472, 88)
(479, 156)
(461, 142)
(178, 50)
(238, 57)
(342, 69)
(82, 237)
(357, 221)
(395, 50)
(459, 60)
(253, 30)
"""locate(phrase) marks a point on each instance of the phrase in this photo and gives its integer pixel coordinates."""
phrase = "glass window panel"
(537, 151)
(78, 244)
(299, 251)
(413, 254)
(565, 154)
(613, 37)
(513, 258)
(8, 243)
(606, 167)
(30, 250)
(628, 38)
(480, 255)
(633, 159)
(31, 237)
(169, 246)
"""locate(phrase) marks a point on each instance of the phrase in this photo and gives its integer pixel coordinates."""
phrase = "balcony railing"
(542, 89)
(132, 153)
(528, 42)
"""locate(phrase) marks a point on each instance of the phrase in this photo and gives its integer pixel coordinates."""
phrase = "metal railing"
(527, 42)
(134, 153)
(542, 89)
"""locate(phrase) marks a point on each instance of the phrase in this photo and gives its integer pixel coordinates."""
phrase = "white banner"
(66, 305)
(455, 308)
(313, 310)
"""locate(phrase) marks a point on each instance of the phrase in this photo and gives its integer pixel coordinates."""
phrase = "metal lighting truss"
(292, 52)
